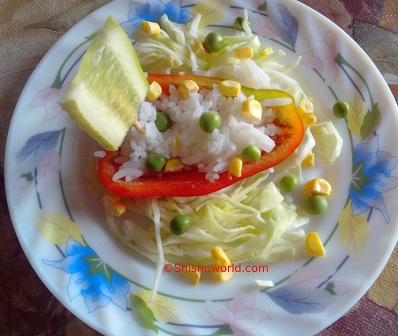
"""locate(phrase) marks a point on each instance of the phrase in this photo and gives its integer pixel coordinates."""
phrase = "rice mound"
(212, 152)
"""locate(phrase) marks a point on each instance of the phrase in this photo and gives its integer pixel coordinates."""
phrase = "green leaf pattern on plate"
(142, 314)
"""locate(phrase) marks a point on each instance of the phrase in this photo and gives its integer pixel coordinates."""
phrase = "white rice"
(99, 154)
(211, 153)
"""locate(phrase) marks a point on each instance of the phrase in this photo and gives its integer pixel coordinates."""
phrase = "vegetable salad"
(245, 212)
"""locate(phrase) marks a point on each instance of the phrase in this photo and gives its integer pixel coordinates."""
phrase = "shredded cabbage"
(176, 50)
(251, 222)
(328, 141)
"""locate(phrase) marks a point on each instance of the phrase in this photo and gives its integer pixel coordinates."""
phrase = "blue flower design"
(91, 278)
(152, 10)
(371, 177)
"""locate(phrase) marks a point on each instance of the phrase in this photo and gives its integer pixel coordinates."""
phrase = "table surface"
(28, 28)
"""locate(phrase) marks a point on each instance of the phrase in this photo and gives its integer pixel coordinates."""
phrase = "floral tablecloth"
(28, 28)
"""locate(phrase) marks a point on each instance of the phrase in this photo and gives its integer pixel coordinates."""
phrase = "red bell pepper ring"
(188, 183)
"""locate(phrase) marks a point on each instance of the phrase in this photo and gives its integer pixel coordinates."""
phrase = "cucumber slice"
(104, 96)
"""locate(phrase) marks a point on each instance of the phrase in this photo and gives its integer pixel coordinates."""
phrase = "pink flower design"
(48, 98)
(308, 276)
(48, 169)
(263, 24)
(340, 287)
(241, 314)
(322, 57)
(24, 182)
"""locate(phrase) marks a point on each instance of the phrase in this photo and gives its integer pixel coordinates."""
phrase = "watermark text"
(236, 268)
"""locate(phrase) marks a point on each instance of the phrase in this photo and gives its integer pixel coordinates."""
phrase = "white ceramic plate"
(63, 232)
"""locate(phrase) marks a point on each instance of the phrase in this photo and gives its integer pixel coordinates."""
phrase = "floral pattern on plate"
(309, 289)
(90, 277)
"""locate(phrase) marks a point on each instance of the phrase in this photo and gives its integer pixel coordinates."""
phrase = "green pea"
(180, 224)
(209, 121)
(288, 183)
(315, 205)
(163, 121)
(238, 23)
(251, 153)
(213, 42)
(341, 109)
(155, 162)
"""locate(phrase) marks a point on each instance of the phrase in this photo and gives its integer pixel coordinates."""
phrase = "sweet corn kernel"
(177, 143)
(192, 276)
(110, 199)
(309, 160)
(314, 245)
(243, 53)
(220, 256)
(222, 276)
(150, 28)
(317, 186)
(229, 88)
(235, 166)
(221, 259)
(154, 91)
(116, 209)
(186, 88)
(306, 112)
(309, 119)
(265, 52)
(305, 107)
(252, 110)
(173, 165)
